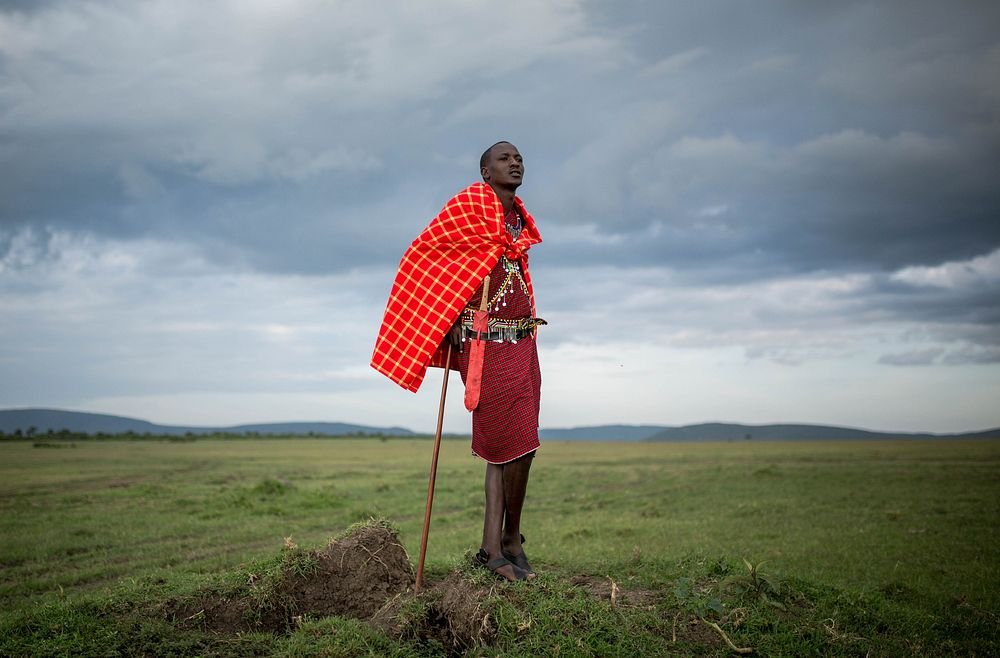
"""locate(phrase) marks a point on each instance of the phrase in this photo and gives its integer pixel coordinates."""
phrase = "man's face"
(504, 167)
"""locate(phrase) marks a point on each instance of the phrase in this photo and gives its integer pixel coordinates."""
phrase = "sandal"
(482, 560)
(520, 560)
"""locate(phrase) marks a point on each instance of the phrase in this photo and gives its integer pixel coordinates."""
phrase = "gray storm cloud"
(791, 180)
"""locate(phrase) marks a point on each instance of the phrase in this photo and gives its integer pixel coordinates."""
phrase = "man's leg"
(497, 509)
(515, 486)
(493, 517)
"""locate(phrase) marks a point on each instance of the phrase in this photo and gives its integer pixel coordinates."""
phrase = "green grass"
(888, 547)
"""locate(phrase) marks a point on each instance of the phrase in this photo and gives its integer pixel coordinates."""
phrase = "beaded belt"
(500, 330)
(509, 335)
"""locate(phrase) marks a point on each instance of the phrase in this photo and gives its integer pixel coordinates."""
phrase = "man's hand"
(455, 336)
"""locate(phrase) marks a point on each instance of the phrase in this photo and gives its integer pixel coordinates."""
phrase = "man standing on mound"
(483, 230)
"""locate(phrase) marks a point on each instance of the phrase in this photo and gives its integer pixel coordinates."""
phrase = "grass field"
(891, 548)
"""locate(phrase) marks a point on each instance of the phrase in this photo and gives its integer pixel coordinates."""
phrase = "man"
(484, 229)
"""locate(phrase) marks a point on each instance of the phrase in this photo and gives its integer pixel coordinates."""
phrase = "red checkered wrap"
(438, 274)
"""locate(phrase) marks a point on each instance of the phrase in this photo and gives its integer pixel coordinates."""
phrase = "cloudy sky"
(753, 212)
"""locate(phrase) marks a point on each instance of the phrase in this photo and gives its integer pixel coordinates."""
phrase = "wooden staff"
(434, 467)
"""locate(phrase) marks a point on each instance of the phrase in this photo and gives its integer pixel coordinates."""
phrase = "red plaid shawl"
(438, 274)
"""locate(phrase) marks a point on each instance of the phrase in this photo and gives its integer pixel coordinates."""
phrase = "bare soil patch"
(366, 575)
(606, 589)
(355, 577)
(351, 577)
(454, 612)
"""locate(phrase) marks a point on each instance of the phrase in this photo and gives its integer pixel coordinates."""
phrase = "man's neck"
(506, 197)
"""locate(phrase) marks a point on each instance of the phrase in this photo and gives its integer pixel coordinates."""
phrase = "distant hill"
(737, 432)
(77, 421)
(602, 433)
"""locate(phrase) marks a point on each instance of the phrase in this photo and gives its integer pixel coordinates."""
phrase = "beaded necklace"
(514, 225)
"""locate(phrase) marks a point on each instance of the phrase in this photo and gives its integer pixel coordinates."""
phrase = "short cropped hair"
(486, 153)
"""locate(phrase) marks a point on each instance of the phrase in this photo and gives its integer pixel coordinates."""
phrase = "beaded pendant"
(513, 272)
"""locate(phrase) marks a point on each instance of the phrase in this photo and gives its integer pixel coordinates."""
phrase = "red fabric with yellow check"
(437, 276)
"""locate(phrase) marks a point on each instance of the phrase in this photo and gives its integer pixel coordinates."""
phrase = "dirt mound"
(365, 575)
(456, 612)
(353, 576)
(466, 610)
